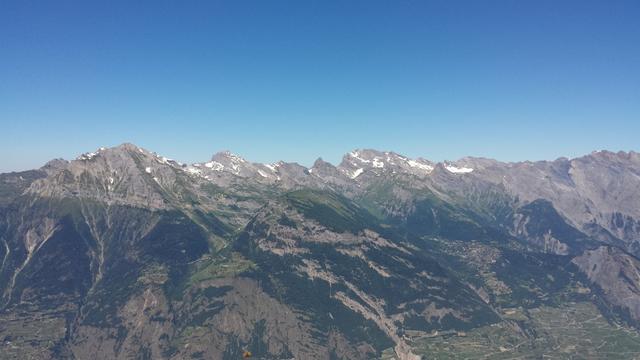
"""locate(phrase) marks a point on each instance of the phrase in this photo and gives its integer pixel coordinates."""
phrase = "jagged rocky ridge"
(123, 253)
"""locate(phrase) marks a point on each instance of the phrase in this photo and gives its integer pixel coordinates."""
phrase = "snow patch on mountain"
(193, 170)
(234, 158)
(90, 155)
(357, 173)
(272, 167)
(87, 156)
(356, 155)
(457, 170)
(356, 158)
(214, 165)
(418, 165)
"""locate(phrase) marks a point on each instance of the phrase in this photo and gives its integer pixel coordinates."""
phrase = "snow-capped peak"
(388, 161)
(368, 157)
(231, 156)
(90, 155)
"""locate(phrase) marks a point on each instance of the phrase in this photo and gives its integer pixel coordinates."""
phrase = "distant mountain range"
(126, 254)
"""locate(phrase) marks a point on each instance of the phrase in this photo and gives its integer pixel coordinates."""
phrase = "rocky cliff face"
(597, 193)
(617, 274)
(123, 253)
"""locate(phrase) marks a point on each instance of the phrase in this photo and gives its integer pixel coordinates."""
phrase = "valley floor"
(572, 331)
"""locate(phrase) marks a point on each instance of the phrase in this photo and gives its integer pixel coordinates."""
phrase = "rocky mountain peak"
(54, 165)
(227, 155)
(124, 174)
(365, 158)
(230, 162)
(373, 162)
(322, 166)
(603, 156)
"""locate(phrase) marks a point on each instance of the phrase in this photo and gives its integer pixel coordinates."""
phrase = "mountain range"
(125, 254)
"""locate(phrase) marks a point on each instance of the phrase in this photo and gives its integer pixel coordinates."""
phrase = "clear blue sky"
(300, 79)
